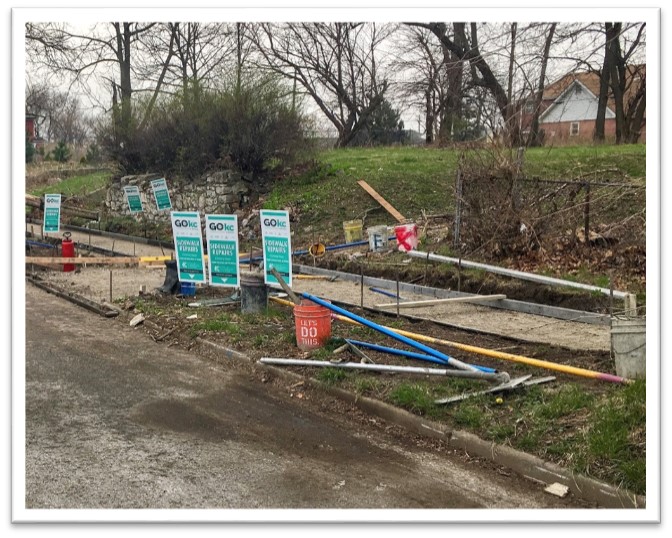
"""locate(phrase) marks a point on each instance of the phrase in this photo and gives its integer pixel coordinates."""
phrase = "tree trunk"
(617, 73)
(603, 97)
(535, 140)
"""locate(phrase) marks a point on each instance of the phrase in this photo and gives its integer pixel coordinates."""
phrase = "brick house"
(569, 108)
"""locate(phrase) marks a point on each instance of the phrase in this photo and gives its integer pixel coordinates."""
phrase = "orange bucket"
(313, 325)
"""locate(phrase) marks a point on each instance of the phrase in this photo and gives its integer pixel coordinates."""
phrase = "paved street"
(115, 420)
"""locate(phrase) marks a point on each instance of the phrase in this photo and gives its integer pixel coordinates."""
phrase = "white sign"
(160, 188)
(188, 246)
(132, 193)
(277, 245)
(221, 235)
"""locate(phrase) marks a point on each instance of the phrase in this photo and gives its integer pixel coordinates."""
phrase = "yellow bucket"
(353, 230)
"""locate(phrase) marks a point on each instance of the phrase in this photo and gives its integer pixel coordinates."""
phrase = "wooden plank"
(432, 302)
(91, 260)
(378, 198)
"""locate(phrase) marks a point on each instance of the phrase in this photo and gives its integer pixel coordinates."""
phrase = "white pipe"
(517, 274)
(502, 376)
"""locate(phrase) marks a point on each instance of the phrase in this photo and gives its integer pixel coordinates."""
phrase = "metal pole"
(384, 368)
(458, 208)
(110, 285)
(586, 215)
(361, 286)
(515, 273)
(397, 293)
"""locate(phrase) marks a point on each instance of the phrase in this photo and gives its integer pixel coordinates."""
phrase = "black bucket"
(171, 284)
(253, 293)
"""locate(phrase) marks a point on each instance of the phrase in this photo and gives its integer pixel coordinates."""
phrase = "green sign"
(52, 213)
(277, 245)
(133, 198)
(160, 189)
(221, 234)
(188, 246)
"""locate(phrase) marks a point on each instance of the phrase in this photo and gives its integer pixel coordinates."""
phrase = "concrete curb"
(532, 467)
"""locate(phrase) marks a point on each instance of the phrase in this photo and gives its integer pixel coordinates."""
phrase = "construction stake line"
(582, 372)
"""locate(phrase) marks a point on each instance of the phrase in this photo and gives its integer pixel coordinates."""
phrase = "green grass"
(414, 179)
(414, 397)
(76, 185)
(219, 324)
(331, 376)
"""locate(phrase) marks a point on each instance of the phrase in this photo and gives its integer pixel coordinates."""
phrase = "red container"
(313, 325)
(67, 251)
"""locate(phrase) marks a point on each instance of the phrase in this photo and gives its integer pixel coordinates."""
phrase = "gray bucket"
(253, 293)
(628, 347)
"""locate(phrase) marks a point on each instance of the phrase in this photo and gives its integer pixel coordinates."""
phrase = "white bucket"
(628, 347)
(377, 238)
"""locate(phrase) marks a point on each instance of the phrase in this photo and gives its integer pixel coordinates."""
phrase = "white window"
(574, 128)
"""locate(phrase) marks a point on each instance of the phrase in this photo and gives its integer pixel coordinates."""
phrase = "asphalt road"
(117, 421)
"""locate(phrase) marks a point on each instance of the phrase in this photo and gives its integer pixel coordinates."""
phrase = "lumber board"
(432, 302)
(90, 260)
(378, 198)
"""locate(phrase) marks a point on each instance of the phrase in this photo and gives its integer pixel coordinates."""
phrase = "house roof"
(572, 106)
(591, 81)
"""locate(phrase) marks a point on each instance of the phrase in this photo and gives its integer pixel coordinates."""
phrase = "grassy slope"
(414, 179)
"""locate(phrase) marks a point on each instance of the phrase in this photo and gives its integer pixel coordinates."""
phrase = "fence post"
(458, 208)
(586, 214)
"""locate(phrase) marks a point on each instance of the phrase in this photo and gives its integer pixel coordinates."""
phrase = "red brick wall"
(30, 128)
(559, 133)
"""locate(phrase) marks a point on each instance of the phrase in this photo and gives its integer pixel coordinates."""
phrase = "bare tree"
(335, 63)
(105, 52)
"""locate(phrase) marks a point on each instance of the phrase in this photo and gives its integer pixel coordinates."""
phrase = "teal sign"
(277, 245)
(221, 235)
(52, 213)
(160, 189)
(133, 198)
(188, 246)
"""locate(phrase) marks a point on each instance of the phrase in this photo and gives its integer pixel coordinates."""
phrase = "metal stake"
(110, 285)
(361, 286)
(397, 293)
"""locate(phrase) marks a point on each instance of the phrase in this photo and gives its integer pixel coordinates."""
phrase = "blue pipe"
(41, 245)
(395, 351)
(389, 294)
(417, 345)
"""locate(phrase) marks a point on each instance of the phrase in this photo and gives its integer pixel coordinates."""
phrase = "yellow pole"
(491, 353)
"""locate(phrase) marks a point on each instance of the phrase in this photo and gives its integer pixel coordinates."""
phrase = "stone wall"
(221, 192)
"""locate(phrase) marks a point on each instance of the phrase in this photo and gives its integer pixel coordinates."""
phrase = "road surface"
(115, 420)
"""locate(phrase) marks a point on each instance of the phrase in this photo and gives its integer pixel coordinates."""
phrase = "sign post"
(188, 246)
(221, 234)
(132, 193)
(52, 213)
(160, 189)
(277, 246)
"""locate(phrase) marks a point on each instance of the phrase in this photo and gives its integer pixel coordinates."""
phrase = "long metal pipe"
(572, 370)
(401, 338)
(404, 353)
(540, 279)
(387, 368)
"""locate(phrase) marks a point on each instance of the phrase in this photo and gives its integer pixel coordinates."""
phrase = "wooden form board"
(431, 302)
(378, 198)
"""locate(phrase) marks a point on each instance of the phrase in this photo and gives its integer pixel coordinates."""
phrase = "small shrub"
(62, 152)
